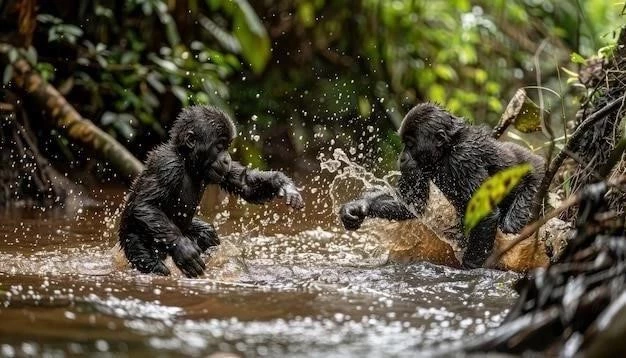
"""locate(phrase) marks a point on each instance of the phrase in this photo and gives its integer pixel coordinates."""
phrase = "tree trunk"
(65, 117)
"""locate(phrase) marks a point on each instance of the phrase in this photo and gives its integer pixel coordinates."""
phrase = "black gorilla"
(158, 217)
(440, 147)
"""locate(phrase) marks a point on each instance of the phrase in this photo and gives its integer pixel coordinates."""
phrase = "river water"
(282, 283)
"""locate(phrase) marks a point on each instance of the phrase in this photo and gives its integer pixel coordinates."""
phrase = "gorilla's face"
(420, 152)
(217, 163)
(209, 152)
(427, 133)
(204, 136)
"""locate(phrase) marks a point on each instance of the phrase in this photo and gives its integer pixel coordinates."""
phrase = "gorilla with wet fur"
(158, 217)
(457, 158)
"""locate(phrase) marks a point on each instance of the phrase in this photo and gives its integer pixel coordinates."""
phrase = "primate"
(457, 158)
(158, 217)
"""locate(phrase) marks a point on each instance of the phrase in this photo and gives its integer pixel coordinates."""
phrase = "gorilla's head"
(202, 135)
(427, 132)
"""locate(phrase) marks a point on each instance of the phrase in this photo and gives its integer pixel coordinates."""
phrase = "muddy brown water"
(282, 283)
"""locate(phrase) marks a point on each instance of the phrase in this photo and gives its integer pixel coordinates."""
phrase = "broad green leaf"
(577, 58)
(13, 55)
(491, 192)
(445, 72)
(155, 81)
(7, 74)
(228, 41)
(49, 19)
(30, 54)
(251, 19)
(165, 64)
(306, 14)
(528, 119)
(365, 109)
(254, 41)
(437, 93)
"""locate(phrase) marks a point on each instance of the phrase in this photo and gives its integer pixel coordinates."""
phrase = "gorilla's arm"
(258, 187)
(378, 204)
(519, 213)
(385, 205)
(458, 183)
(480, 241)
(184, 251)
(203, 234)
(412, 189)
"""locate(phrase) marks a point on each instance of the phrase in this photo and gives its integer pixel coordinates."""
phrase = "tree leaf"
(577, 58)
(7, 74)
(181, 94)
(251, 19)
(528, 119)
(254, 41)
(165, 64)
(31, 55)
(306, 14)
(228, 41)
(154, 79)
(491, 192)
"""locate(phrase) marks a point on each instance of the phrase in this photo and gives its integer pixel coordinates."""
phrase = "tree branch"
(571, 146)
(65, 117)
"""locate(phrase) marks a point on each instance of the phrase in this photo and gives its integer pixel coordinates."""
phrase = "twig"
(570, 146)
(532, 228)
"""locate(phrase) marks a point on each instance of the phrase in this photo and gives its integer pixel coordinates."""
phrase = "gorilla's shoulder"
(477, 137)
(163, 162)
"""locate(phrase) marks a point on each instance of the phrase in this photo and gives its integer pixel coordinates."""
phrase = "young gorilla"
(158, 217)
(440, 147)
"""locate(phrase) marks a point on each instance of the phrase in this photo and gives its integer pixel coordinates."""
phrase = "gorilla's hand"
(291, 195)
(203, 234)
(207, 238)
(160, 269)
(186, 255)
(353, 213)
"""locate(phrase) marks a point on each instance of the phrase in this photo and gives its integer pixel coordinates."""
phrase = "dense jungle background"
(318, 89)
(294, 74)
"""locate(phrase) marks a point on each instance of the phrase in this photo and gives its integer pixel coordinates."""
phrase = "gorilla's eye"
(222, 144)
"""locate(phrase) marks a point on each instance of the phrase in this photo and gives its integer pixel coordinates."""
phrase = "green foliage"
(133, 58)
(130, 65)
(528, 119)
(491, 192)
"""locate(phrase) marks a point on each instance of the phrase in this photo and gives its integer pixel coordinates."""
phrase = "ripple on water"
(269, 293)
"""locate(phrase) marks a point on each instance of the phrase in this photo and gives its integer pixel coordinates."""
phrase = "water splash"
(347, 169)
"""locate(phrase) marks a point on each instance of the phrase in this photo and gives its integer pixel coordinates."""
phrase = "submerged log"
(432, 238)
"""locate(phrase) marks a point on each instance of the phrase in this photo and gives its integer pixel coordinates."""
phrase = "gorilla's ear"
(448, 134)
(188, 139)
(443, 136)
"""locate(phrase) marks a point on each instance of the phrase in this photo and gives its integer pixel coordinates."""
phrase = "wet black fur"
(159, 214)
(441, 148)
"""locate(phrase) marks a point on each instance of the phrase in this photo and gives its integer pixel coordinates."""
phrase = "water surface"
(282, 283)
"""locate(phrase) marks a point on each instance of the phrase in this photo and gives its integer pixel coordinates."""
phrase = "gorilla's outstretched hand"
(186, 256)
(291, 195)
(353, 213)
